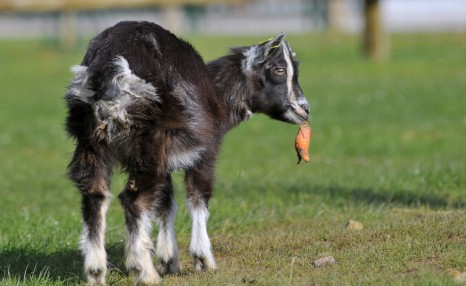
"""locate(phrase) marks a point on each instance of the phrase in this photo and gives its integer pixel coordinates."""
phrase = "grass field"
(388, 150)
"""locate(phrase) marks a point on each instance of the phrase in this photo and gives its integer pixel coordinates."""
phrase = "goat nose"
(305, 106)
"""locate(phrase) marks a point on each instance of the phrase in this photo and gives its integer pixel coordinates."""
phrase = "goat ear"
(259, 53)
(268, 47)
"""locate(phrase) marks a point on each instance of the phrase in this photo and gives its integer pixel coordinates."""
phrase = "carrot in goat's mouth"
(303, 138)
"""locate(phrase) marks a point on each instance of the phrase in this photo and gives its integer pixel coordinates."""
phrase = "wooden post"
(67, 29)
(335, 14)
(375, 41)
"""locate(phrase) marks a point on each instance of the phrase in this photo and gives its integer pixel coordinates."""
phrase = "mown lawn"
(388, 150)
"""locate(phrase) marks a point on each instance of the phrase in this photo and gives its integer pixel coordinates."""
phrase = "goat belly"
(303, 138)
(183, 159)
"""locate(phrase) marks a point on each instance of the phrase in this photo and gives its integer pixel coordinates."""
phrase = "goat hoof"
(145, 277)
(204, 263)
(95, 277)
(171, 266)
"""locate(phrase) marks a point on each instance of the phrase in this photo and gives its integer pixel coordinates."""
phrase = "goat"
(145, 99)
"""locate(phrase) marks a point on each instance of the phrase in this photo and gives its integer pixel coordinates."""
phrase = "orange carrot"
(303, 138)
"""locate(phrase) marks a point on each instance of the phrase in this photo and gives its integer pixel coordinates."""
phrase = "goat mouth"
(296, 115)
(301, 114)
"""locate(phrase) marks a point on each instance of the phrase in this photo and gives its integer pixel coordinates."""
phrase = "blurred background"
(386, 81)
(73, 19)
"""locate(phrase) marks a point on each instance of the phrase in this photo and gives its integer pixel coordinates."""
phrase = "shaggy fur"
(145, 99)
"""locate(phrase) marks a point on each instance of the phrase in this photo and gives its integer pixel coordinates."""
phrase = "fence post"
(375, 41)
(67, 29)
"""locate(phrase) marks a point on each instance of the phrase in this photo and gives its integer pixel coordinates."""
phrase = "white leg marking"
(95, 257)
(200, 247)
(138, 252)
(167, 249)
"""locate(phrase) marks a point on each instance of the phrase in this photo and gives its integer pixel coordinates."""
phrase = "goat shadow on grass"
(65, 266)
(407, 198)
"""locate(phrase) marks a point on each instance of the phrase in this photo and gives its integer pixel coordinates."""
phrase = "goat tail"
(80, 89)
(117, 91)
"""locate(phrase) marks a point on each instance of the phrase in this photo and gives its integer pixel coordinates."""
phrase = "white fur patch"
(200, 246)
(79, 88)
(296, 103)
(183, 159)
(138, 251)
(126, 82)
(250, 55)
(289, 72)
(95, 257)
(167, 249)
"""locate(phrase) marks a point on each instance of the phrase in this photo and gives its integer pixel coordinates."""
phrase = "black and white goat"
(145, 99)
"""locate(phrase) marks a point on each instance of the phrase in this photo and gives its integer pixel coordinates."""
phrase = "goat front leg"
(199, 188)
(165, 211)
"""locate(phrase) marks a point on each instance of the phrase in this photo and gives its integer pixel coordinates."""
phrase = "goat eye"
(280, 71)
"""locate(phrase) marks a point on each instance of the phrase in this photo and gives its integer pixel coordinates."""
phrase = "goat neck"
(232, 86)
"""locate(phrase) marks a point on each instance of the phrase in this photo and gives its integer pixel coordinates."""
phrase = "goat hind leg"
(138, 200)
(92, 239)
(91, 175)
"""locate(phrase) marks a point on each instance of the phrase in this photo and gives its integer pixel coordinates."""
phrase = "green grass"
(388, 150)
